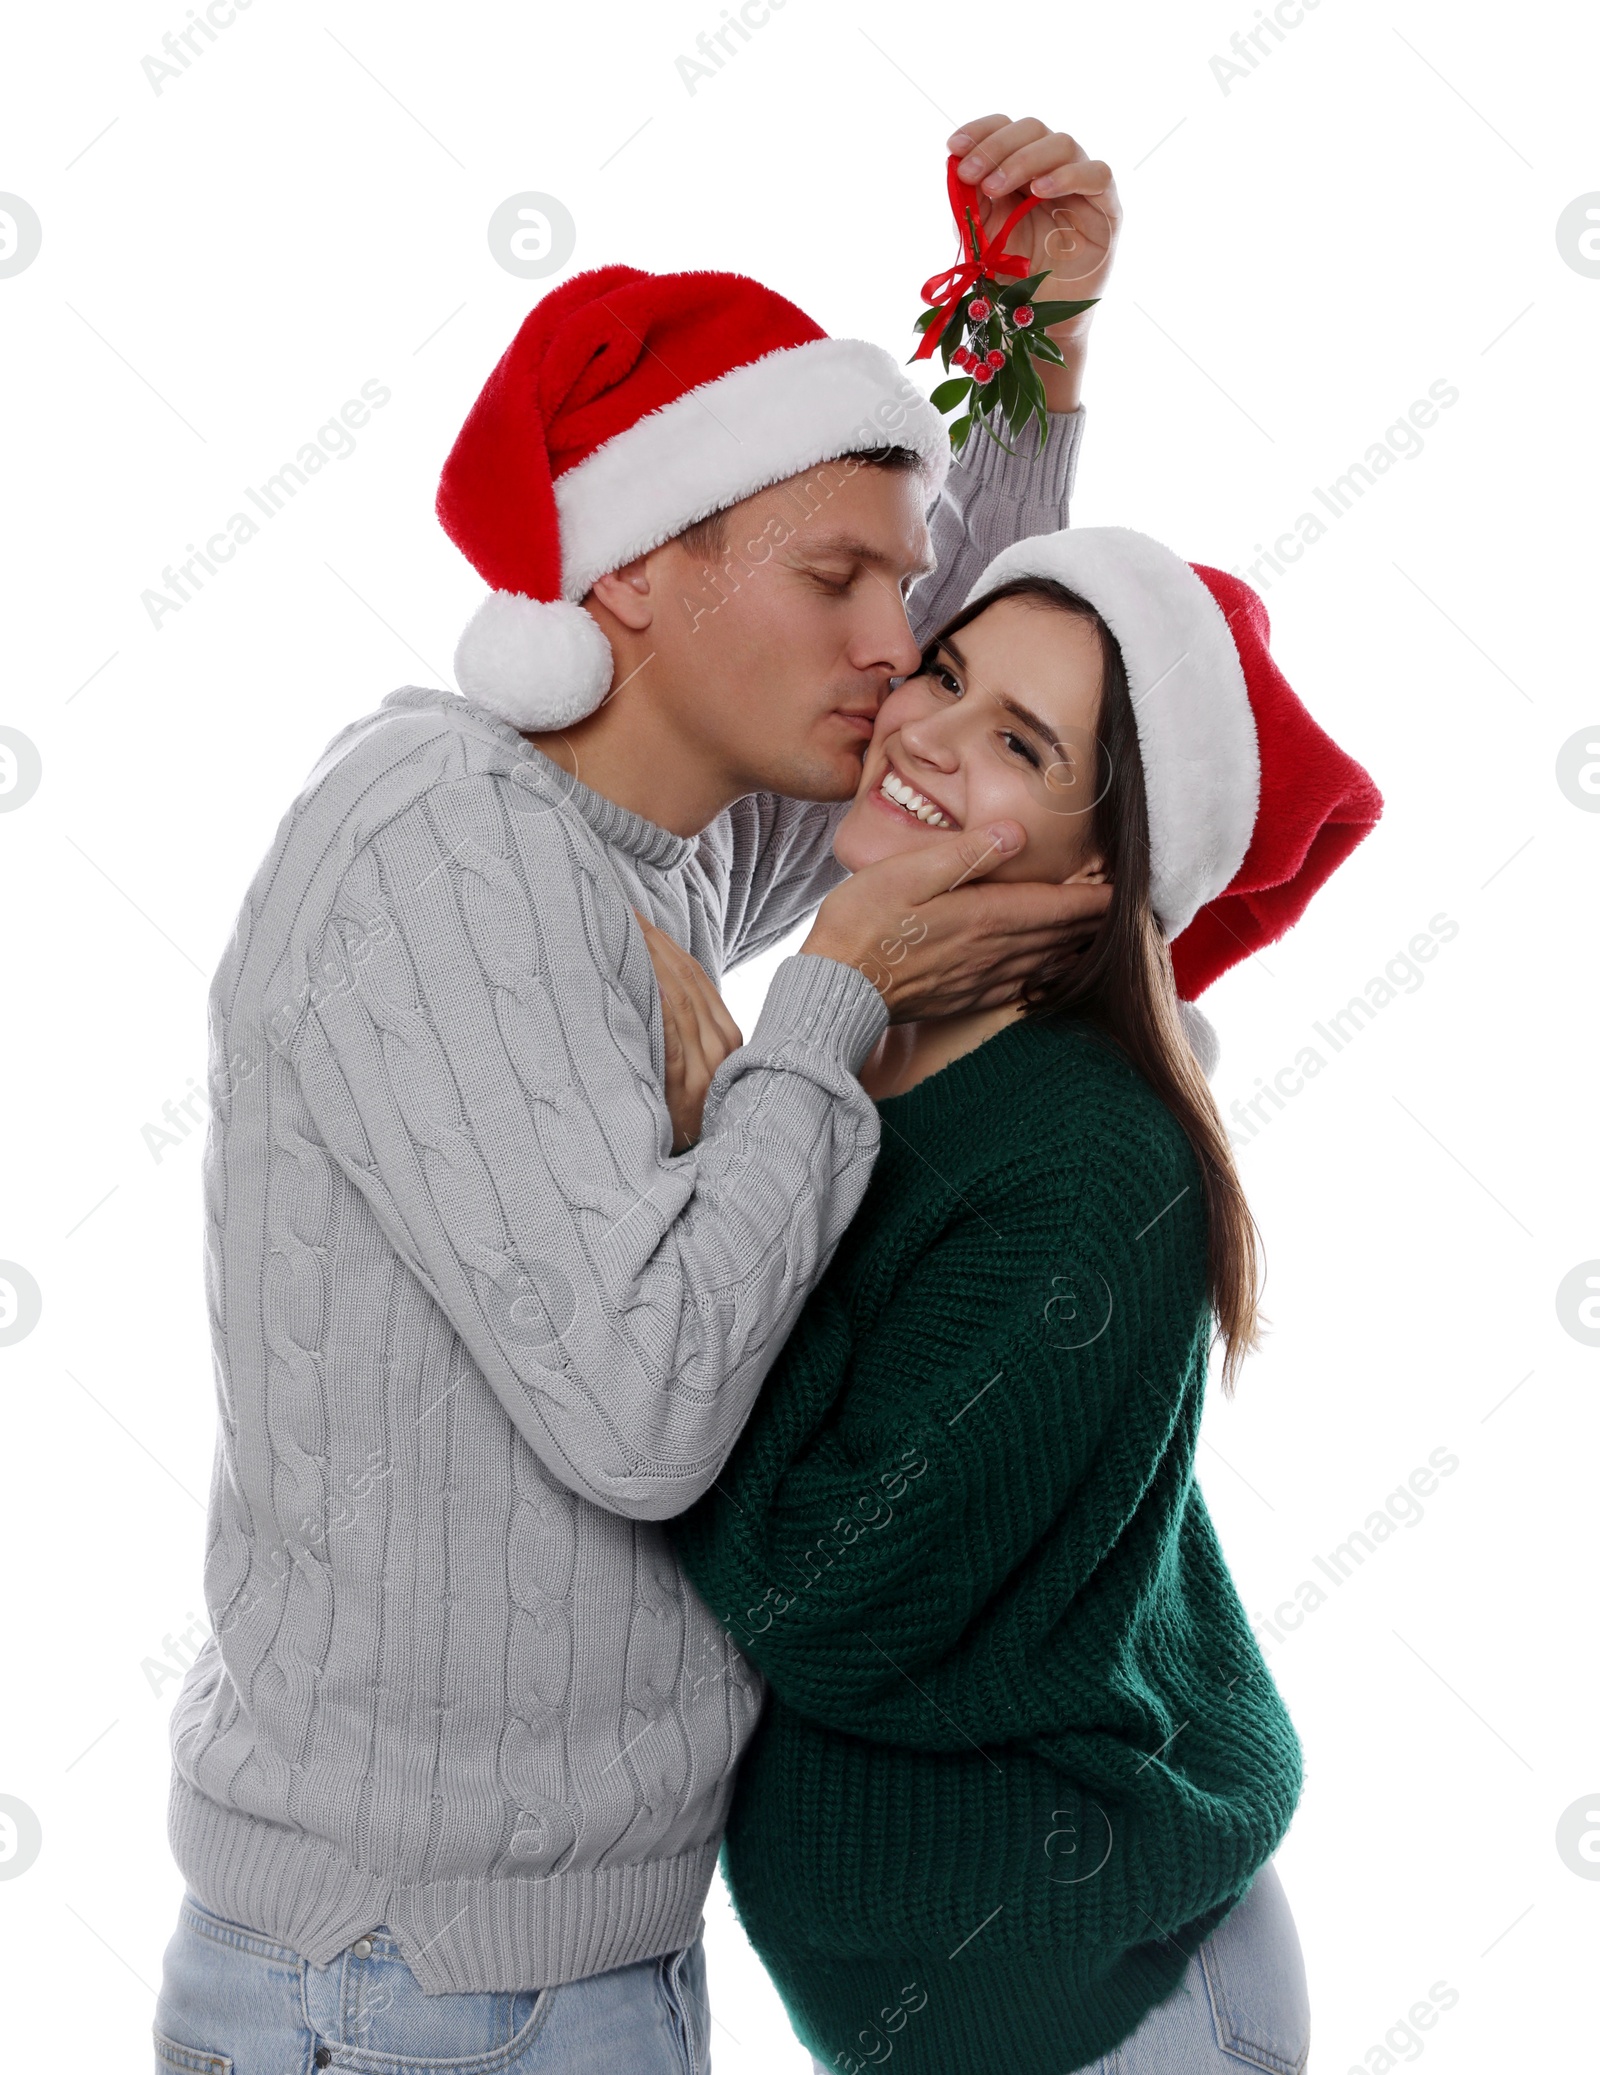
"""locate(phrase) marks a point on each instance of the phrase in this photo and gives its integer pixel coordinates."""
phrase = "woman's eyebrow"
(1014, 707)
(1031, 720)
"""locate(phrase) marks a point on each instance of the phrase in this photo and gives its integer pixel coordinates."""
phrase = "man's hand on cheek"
(936, 940)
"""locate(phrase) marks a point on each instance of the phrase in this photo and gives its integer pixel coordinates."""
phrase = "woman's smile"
(896, 795)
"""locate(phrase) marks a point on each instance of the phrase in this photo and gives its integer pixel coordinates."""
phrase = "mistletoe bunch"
(994, 332)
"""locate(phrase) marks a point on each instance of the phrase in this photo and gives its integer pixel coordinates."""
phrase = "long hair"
(1123, 983)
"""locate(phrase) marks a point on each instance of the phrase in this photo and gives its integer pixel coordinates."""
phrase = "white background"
(1370, 210)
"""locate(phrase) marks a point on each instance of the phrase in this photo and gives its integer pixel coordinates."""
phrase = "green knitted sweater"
(1021, 1752)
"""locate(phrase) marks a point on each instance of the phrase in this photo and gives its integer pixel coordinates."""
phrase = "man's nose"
(901, 652)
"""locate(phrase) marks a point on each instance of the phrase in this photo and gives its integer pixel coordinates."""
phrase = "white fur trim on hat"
(537, 664)
(791, 410)
(1197, 733)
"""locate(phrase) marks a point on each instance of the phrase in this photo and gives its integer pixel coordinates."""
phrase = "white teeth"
(908, 797)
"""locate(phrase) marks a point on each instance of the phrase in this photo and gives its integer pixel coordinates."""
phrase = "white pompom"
(536, 663)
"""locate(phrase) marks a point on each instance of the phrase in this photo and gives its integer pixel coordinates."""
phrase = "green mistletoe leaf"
(1056, 313)
(1006, 384)
(999, 442)
(1030, 386)
(949, 394)
(1023, 291)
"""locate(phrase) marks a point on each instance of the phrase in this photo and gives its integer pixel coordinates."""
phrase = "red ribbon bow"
(945, 290)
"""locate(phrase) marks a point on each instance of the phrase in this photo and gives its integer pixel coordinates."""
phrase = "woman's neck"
(909, 1052)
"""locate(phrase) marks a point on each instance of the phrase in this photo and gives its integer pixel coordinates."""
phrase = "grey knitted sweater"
(477, 1331)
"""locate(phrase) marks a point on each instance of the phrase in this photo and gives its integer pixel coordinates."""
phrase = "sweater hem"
(462, 1937)
(996, 2018)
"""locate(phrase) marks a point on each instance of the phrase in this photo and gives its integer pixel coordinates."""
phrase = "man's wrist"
(821, 943)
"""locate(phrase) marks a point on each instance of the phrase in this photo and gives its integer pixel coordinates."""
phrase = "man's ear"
(626, 593)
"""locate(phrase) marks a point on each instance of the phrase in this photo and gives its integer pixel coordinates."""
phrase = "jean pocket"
(173, 2059)
(682, 1976)
(395, 2034)
(1255, 1979)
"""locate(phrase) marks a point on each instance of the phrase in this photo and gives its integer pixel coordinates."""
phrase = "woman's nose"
(933, 739)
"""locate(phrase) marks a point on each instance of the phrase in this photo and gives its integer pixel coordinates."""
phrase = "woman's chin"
(862, 838)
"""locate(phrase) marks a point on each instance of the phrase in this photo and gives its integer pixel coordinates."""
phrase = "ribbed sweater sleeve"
(898, 1480)
(489, 1076)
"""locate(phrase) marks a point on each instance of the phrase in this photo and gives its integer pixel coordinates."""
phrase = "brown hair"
(707, 539)
(1123, 983)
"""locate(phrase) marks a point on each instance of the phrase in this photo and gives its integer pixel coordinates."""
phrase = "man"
(482, 1314)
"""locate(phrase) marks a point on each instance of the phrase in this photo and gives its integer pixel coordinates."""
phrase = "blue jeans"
(235, 2003)
(1241, 2001)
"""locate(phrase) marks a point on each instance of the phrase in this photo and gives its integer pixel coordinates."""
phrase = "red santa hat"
(628, 406)
(1252, 805)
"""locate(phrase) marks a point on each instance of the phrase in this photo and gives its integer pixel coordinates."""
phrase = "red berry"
(995, 357)
(978, 309)
(1022, 314)
(982, 373)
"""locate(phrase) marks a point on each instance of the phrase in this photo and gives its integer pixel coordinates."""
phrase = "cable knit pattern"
(477, 1332)
(1021, 1751)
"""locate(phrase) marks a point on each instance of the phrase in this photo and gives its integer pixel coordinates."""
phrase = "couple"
(552, 1323)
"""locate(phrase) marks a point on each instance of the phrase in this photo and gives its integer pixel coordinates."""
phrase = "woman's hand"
(699, 1031)
(1073, 232)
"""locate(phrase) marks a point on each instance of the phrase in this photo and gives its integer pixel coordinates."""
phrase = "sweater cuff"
(815, 1000)
(1042, 478)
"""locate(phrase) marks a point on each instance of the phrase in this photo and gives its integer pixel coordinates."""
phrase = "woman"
(1012, 1804)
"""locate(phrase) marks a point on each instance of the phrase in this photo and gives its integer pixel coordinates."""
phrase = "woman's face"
(1000, 724)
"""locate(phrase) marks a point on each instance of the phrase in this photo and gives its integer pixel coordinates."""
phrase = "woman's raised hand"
(1073, 232)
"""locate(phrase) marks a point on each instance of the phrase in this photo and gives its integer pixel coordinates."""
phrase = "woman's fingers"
(698, 1030)
(718, 1033)
(731, 1036)
(1004, 157)
(696, 985)
(992, 150)
(972, 133)
(1054, 164)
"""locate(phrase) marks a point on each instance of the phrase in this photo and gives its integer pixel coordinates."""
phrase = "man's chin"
(828, 776)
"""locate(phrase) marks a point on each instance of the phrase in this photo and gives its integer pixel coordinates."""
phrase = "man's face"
(775, 660)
